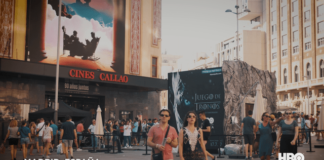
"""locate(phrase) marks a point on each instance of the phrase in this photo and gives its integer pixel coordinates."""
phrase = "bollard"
(219, 153)
(146, 147)
(310, 143)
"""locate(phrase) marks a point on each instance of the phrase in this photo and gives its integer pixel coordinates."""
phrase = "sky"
(195, 26)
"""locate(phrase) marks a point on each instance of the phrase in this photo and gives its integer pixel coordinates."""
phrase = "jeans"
(95, 141)
(79, 134)
(127, 139)
(307, 134)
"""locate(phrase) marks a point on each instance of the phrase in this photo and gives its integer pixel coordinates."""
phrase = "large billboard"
(92, 32)
(198, 90)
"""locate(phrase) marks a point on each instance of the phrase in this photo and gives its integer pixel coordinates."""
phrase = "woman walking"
(308, 128)
(25, 137)
(266, 142)
(191, 142)
(32, 128)
(47, 138)
(121, 132)
(144, 131)
(127, 134)
(139, 132)
(13, 138)
(289, 130)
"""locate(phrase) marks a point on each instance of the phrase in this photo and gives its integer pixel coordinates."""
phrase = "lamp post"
(237, 25)
(308, 78)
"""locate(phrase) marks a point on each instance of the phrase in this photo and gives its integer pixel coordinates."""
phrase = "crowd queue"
(275, 133)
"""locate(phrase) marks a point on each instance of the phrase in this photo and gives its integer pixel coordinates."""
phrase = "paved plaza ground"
(137, 154)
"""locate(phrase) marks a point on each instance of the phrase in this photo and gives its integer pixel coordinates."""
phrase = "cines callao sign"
(110, 77)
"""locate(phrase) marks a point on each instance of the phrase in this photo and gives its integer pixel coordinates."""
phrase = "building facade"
(295, 41)
(110, 58)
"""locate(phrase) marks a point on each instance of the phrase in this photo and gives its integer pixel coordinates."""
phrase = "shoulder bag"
(159, 156)
(39, 130)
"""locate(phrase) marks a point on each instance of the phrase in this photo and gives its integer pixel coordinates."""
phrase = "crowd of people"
(277, 133)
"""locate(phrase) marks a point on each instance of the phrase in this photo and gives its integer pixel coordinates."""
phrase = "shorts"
(79, 134)
(53, 140)
(67, 142)
(13, 141)
(40, 141)
(24, 140)
(257, 139)
(248, 139)
(47, 140)
(36, 139)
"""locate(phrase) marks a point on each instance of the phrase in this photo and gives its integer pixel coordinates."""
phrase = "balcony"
(255, 6)
(299, 85)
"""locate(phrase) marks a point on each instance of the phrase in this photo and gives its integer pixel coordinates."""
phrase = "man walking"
(55, 130)
(205, 127)
(134, 132)
(40, 129)
(248, 126)
(91, 130)
(68, 134)
(157, 134)
(80, 129)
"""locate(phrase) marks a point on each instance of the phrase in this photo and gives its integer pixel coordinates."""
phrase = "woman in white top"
(127, 134)
(308, 127)
(47, 138)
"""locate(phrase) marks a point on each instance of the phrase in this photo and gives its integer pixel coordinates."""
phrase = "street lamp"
(308, 77)
(237, 30)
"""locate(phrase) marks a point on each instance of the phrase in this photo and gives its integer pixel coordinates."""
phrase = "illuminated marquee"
(103, 76)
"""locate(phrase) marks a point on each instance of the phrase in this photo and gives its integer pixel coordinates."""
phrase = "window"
(274, 55)
(283, 11)
(154, 67)
(284, 53)
(321, 42)
(284, 39)
(274, 29)
(285, 97)
(295, 21)
(295, 6)
(321, 66)
(296, 73)
(285, 76)
(165, 61)
(306, 16)
(309, 70)
(307, 31)
(274, 43)
(271, 3)
(284, 25)
(308, 45)
(307, 2)
(295, 36)
(320, 27)
(297, 95)
(273, 14)
(320, 10)
(295, 49)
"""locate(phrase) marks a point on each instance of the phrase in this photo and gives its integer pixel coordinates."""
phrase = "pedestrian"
(134, 132)
(191, 139)
(206, 128)
(121, 132)
(36, 132)
(155, 121)
(144, 131)
(107, 130)
(289, 130)
(40, 130)
(13, 138)
(68, 134)
(116, 140)
(149, 124)
(25, 137)
(302, 124)
(91, 130)
(139, 132)
(315, 126)
(308, 128)
(55, 130)
(158, 133)
(248, 127)
(127, 134)
(266, 141)
(32, 128)
(47, 139)
(80, 129)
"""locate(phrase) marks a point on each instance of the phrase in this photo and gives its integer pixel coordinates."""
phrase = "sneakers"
(125, 147)
(47, 157)
(305, 143)
(130, 147)
(79, 149)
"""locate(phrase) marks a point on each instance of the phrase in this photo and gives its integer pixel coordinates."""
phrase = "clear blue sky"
(193, 26)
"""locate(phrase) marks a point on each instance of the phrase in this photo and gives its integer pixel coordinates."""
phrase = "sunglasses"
(164, 115)
(191, 116)
(267, 116)
(288, 113)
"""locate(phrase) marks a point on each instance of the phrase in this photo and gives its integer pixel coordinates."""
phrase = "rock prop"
(232, 149)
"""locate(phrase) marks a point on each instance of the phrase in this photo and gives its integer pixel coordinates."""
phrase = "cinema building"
(109, 56)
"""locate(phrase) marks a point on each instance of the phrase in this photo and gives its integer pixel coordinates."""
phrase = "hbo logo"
(291, 156)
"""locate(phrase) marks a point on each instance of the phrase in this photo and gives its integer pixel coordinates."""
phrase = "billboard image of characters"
(92, 33)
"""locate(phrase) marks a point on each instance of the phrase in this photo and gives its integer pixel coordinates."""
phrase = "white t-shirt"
(92, 128)
(47, 132)
(308, 123)
(39, 126)
(127, 130)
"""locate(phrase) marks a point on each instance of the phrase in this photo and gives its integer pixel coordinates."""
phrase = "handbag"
(159, 156)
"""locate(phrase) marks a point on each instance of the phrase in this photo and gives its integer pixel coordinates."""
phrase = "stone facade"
(239, 77)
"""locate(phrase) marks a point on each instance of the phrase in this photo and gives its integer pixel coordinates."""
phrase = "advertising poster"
(198, 90)
(91, 37)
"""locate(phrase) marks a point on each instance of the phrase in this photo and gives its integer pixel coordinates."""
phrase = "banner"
(198, 90)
